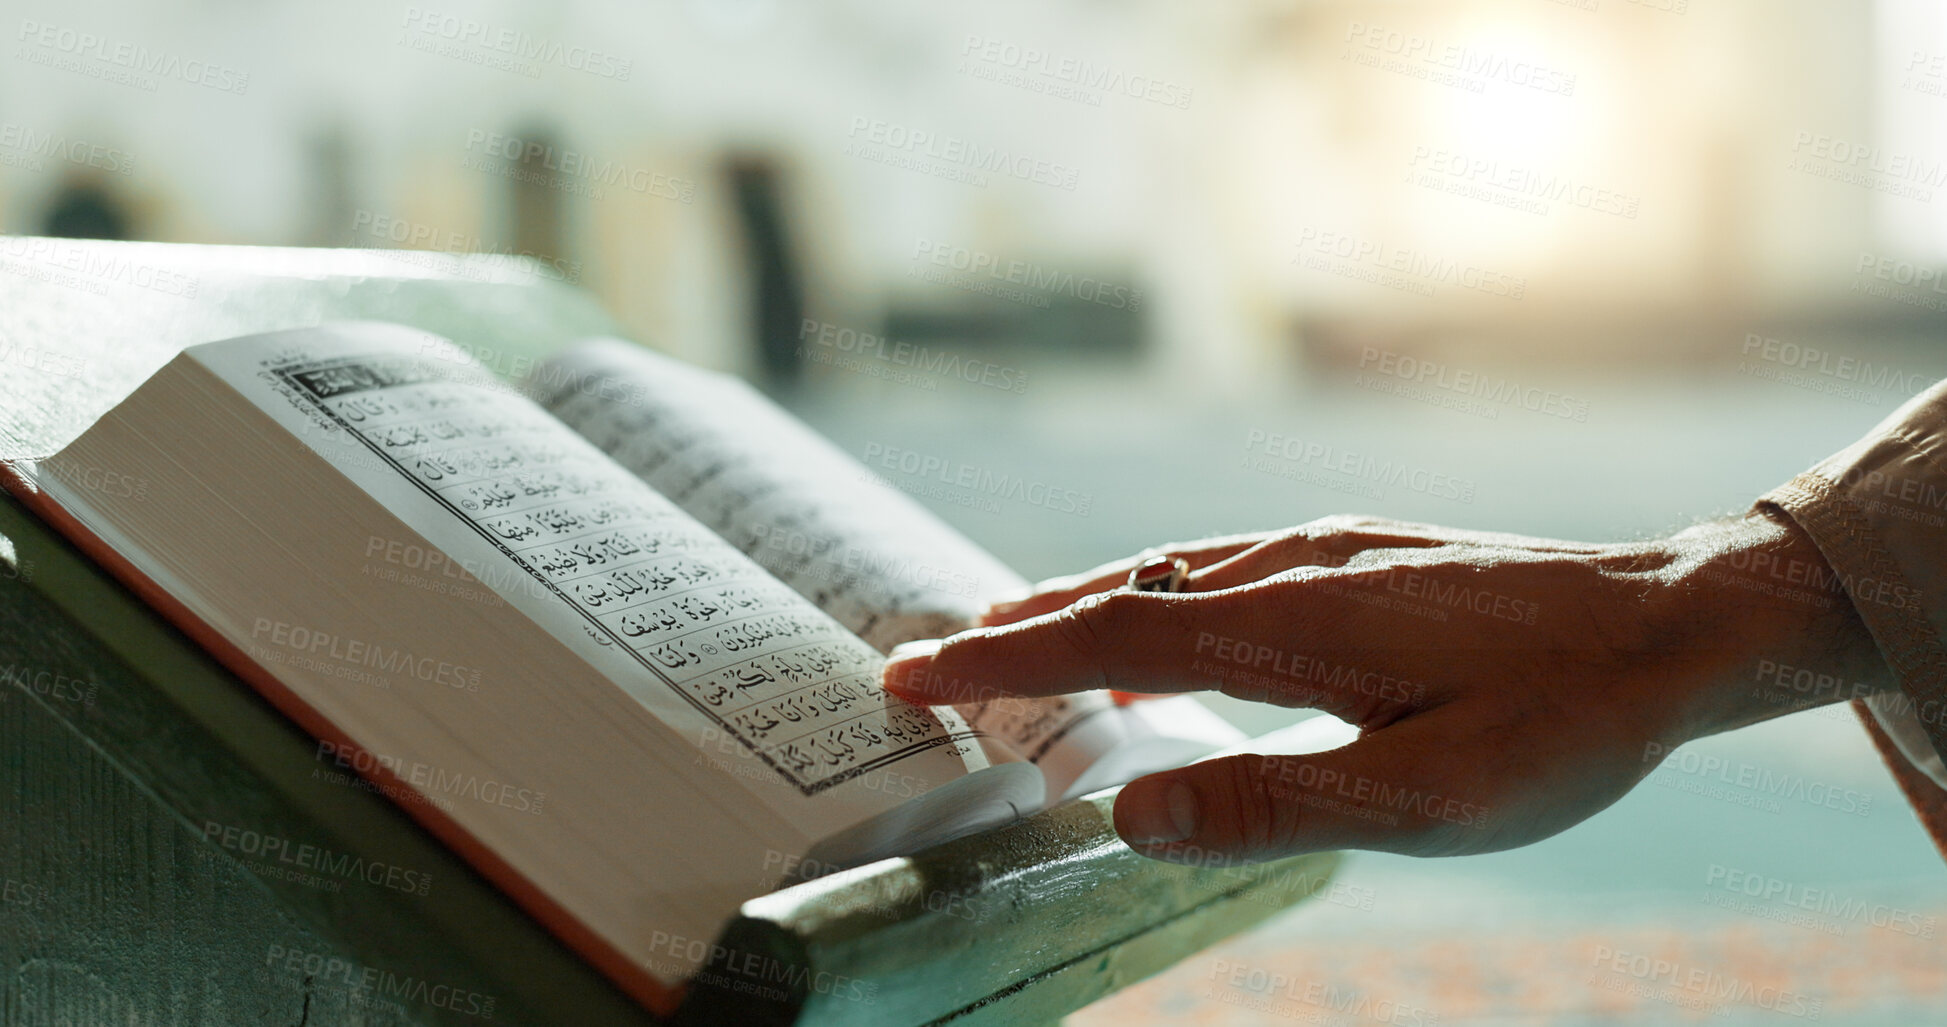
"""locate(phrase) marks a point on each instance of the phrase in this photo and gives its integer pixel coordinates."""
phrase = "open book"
(633, 609)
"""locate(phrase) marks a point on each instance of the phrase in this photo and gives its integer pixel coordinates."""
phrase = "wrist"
(1771, 625)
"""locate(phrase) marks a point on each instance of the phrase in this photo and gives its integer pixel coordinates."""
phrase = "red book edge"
(638, 983)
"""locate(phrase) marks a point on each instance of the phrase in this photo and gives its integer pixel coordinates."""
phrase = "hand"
(1505, 688)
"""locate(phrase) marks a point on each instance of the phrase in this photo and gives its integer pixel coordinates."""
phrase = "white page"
(1162, 733)
(870, 556)
(818, 520)
(687, 626)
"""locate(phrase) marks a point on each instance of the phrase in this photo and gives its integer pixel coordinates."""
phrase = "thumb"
(1370, 794)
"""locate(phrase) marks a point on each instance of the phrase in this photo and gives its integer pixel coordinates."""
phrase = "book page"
(867, 554)
(689, 627)
(864, 552)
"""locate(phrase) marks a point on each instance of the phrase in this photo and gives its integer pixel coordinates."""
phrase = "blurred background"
(1579, 268)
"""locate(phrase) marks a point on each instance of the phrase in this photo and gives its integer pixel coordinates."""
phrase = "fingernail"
(905, 671)
(1154, 810)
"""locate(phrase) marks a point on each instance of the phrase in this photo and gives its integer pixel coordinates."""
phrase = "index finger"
(1155, 642)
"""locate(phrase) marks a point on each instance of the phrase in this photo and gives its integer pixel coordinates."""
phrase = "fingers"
(1055, 593)
(1395, 790)
(1227, 562)
(1281, 640)
(1130, 641)
(1328, 542)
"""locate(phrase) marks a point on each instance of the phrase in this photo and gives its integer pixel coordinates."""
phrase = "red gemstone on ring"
(1157, 575)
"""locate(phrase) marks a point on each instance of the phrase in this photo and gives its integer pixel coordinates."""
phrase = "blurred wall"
(1211, 194)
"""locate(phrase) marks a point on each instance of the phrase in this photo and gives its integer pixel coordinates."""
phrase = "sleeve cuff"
(1900, 721)
(1894, 611)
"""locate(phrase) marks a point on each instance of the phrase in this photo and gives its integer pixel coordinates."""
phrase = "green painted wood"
(202, 748)
(188, 940)
(1022, 924)
(119, 909)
